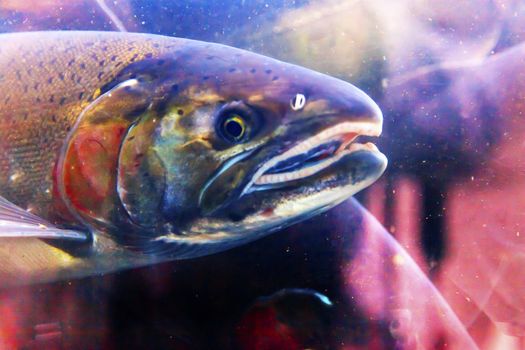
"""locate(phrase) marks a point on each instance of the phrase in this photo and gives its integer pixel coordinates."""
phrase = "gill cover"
(107, 142)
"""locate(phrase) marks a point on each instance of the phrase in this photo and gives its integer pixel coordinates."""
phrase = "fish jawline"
(345, 132)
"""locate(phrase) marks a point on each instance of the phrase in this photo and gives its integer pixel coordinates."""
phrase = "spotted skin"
(46, 81)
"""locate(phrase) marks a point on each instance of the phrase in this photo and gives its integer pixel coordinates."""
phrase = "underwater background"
(435, 260)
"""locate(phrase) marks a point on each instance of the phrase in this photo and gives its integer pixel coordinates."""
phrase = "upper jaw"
(338, 140)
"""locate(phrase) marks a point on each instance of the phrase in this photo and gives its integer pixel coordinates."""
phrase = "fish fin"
(16, 222)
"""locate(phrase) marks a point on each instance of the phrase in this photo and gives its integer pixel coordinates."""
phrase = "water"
(437, 263)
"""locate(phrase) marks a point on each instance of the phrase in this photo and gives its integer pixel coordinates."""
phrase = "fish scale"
(50, 82)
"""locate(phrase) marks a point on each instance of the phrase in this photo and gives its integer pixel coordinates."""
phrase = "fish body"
(121, 150)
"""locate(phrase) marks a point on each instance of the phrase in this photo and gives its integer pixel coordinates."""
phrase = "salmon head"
(209, 146)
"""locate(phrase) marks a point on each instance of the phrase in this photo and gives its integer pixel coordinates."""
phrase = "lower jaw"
(352, 164)
(325, 189)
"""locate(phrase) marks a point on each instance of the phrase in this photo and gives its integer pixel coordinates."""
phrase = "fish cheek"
(222, 189)
(187, 167)
(141, 174)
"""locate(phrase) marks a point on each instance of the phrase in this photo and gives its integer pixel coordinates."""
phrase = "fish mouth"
(313, 155)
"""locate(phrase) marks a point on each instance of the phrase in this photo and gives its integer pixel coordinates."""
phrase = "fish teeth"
(296, 175)
(357, 128)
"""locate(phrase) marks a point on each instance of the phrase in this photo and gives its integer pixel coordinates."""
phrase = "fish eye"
(233, 127)
(237, 122)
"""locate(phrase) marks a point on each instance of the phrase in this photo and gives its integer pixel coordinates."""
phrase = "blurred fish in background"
(448, 76)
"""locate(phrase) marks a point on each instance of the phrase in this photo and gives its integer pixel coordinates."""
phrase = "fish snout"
(353, 105)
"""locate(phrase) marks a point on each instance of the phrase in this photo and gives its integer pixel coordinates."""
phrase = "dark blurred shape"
(433, 238)
(289, 319)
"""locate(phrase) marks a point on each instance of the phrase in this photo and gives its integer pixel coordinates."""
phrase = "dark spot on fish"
(130, 49)
(54, 118)
(134, 58)
(104, 48)
(205, 77)
(36, 86)
(26, 115)
(148, 55)
(131, 138)
(61, 76)
(38, 100)
(161, 106)
(79, 80)
(113, 58)
(73, 77)
(174, 88)
(71, 62)
(62, 101)
(50, 80)
(180, 112)
(275, 78)
(99, 76)
(80, 95)
(231, 70)
(101, 63)
(268, 71)
(53, 61)
(52, 98)
(68, 129)
(253, 70)
(82, 65)
(41, 64)
(235, 217)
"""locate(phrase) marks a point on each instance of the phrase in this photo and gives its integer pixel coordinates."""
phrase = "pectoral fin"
(16, 222)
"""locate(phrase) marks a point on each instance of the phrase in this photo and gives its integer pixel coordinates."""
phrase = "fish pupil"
(234, 127)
